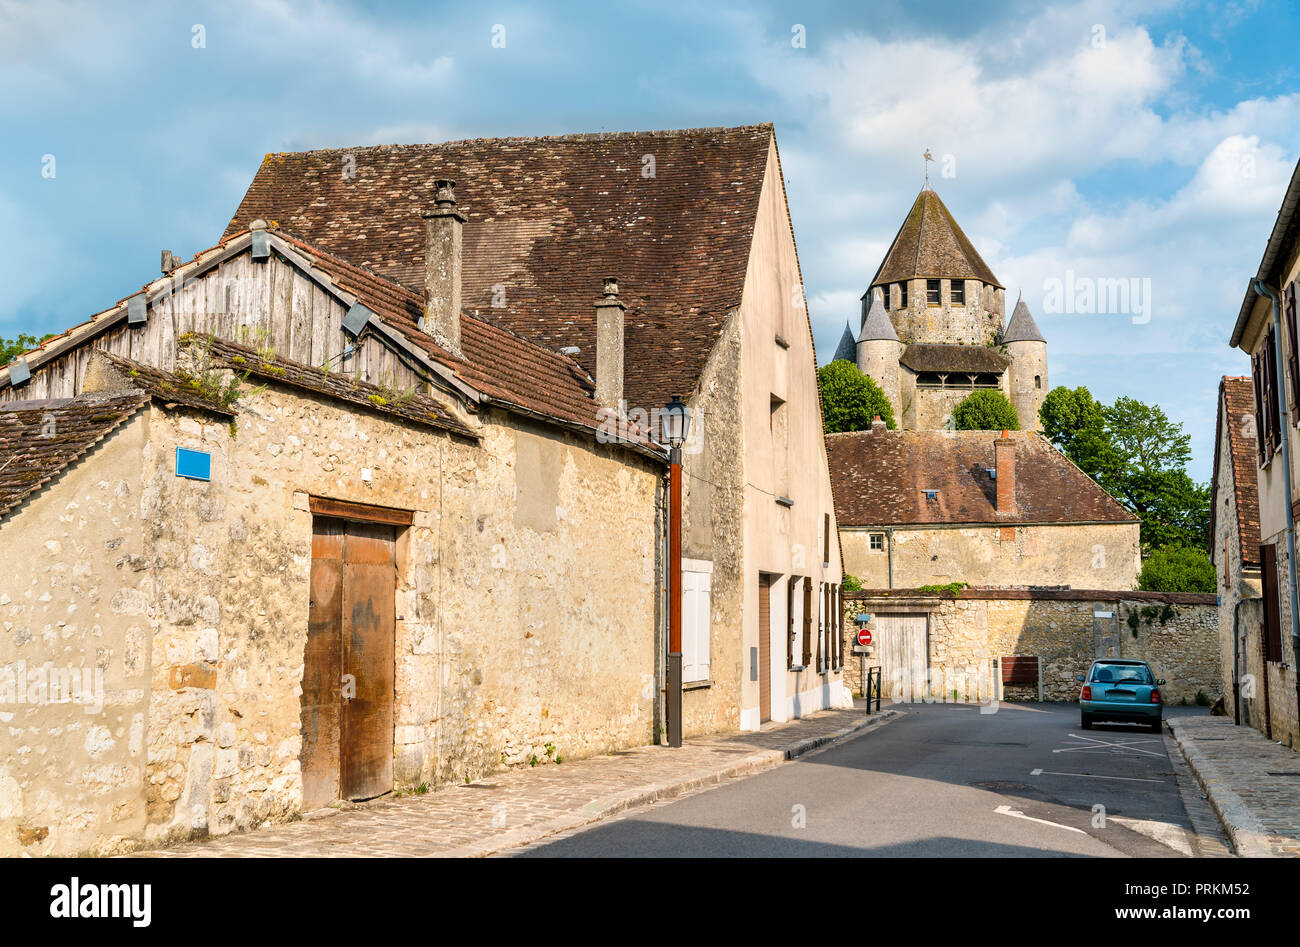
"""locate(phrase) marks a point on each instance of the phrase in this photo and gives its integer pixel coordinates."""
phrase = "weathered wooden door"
(347, 701)
(900, 642)
(764, 647)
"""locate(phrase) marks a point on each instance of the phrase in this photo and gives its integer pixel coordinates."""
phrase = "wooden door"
(764, 648)
(900, 642)
(347, 700)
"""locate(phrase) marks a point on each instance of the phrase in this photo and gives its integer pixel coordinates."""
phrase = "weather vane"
(928, 158)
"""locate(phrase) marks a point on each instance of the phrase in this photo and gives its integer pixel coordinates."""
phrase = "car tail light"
(1086, 693)
(1155, 696)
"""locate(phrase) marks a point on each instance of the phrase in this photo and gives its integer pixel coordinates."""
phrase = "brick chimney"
(878, 426)
(442, 257)
(1004, 462)
(609, 345)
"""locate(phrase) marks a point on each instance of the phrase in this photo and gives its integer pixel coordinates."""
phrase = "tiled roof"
(418, 408)
(40, 438)
(847, 350)
(158, 384)
(878, 478)
(937, 357)
(671, 214)
(1237, 417)
(930, 244)
(496, 361)
(877, 327)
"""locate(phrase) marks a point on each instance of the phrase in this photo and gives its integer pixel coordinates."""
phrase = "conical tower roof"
(847, 350)
(930, 244)
(877, 327)
(1022, 327)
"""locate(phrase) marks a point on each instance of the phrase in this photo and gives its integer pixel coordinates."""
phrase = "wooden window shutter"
(807, 623)
(1292, 351)
(839, 629)
(1272, 612)
(1256, 374)
(789, 621)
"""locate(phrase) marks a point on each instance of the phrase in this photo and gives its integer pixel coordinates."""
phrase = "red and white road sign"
(864, 637)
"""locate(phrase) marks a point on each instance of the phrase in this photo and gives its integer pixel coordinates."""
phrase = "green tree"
(850, 399)
(985, 410)
(1173, 508)
(1075, 421)
(12, 348)
(1144, 439)
(1177, 569)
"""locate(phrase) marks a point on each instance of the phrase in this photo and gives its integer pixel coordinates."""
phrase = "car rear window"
(1120, 674)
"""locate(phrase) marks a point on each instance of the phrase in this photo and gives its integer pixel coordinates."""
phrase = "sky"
(1148, 142)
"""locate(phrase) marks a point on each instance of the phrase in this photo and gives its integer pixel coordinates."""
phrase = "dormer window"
(933, 296)
(959, 292)
(931, 494)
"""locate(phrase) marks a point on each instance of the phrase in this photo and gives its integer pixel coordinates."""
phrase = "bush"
(985, 410)
(850, 399)
(851, 583)
(1177, 569)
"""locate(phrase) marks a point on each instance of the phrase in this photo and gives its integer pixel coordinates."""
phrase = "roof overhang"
(1283, 236)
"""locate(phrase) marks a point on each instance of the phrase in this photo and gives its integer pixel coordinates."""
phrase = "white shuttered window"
(696, 631)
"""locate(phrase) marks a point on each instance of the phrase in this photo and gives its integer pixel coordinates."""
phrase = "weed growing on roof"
(208, 381)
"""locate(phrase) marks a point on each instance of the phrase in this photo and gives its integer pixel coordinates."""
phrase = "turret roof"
(847, 350)
(877, 327)
(1022, 327)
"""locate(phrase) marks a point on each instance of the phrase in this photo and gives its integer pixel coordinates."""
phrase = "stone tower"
(879, 350)
(1027, 349)
(932, 326)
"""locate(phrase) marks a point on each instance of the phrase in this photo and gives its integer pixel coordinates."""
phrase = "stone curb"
(1249, 838)
(600, 809)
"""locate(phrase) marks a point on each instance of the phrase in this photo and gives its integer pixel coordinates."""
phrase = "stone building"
(1265, 329)
(1234, 531)
(920, 508)
(932, 328)
(367, 498)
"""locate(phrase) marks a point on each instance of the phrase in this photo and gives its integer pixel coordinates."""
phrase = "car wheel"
(1085, 721)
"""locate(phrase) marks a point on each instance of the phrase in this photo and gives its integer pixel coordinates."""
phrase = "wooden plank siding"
(255, 304)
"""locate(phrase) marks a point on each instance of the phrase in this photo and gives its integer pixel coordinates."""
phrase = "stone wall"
(968, 631)
(1086, 556)
(512, 632)
(72, 599)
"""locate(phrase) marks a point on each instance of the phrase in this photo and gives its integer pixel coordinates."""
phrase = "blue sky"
(1115, 140)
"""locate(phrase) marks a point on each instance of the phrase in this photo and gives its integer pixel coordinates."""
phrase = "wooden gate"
(347, 693)
(903, 651)
(764, 647)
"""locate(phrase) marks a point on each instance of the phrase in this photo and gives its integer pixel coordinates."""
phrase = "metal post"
(862, 664)
(675, 598)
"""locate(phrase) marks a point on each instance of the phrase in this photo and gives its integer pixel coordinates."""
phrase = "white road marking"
(1166, 833)
(1007, 810)
(1131, 779)
(1102, 744)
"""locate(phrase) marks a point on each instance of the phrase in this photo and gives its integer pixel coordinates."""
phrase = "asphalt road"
(942, 780)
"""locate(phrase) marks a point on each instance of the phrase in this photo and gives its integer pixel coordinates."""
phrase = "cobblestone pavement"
(521, 805)
(1211, 841)
(1252, 782)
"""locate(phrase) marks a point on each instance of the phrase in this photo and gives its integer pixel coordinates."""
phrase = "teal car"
(1121, 691)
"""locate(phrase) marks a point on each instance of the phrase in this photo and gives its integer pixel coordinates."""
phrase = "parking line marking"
(1015, 813)
(1102, 744)
(1130, 779)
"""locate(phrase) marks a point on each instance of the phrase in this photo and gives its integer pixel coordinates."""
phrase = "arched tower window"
(1038, 381)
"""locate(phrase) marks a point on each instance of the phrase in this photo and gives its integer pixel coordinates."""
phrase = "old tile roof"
(497, 362)
(162, 386)
(415, 407)
(847, 349)
(1237, 418)
(38, 439)
(938, 357)
(878, 477)
(1022, 327)
(930, 244)
(671, 214)
(877, 327)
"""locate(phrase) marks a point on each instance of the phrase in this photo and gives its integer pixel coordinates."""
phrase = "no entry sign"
(864, 637)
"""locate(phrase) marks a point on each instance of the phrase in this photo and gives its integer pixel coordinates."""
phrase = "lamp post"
(676, 422)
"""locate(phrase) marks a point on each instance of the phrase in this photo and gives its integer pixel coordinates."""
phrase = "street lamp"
(676, 424)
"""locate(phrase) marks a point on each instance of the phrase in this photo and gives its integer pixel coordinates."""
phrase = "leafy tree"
(985, 410)
(1075, 422)
(1173, 508)
(1177, 569)
(1144, 439)
(12, 348)
(850, 399)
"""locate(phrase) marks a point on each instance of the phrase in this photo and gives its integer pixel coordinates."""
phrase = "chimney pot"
(877, 425)
(443, 241)
(609, 345)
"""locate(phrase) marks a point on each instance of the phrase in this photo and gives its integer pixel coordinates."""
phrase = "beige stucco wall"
(966, 634)
(1087, 556)
(72, 772)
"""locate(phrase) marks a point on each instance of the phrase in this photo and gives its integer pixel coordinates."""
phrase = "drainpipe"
(1236, 663)
(889, 546)
(1264, 290)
